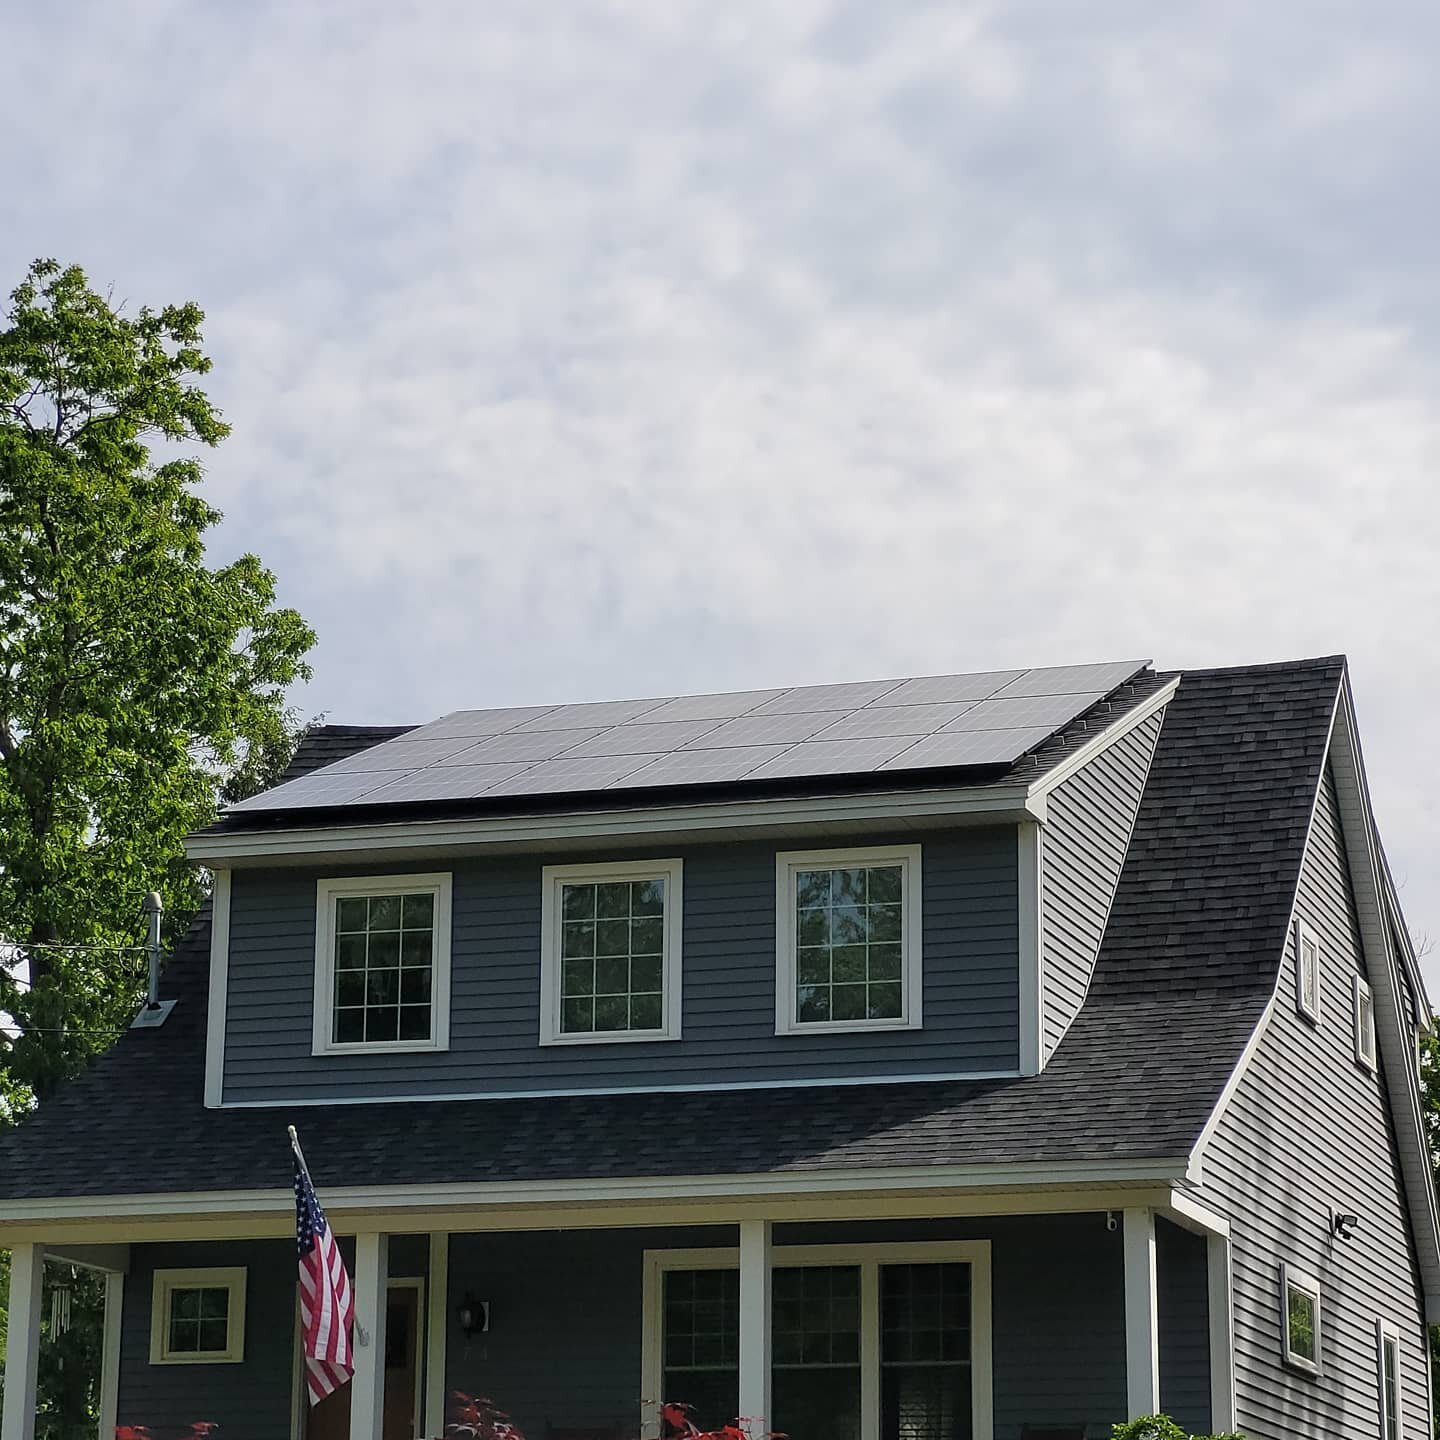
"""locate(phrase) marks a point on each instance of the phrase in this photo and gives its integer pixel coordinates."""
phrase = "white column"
(755, 1325)
(110, 1354)
(22, 1352)
(1222, 1335)
(1142, 1321)
(437, 1323)
(367, 1388)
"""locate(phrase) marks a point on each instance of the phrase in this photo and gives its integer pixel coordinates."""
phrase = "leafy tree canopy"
(134, 676)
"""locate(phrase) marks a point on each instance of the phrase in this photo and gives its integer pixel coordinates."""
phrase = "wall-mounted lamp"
(472, 1315)
(1343, 1224)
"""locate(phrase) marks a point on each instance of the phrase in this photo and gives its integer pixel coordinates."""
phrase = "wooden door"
(330, 1419)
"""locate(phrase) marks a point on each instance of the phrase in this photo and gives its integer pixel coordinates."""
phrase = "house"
(971, 1057)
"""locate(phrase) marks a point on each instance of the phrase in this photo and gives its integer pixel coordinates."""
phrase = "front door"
(330, 1419)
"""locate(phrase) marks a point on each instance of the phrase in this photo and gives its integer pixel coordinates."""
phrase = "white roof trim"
(921, 809)
(340, 1199)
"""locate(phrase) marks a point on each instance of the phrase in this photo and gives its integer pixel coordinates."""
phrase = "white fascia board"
(1373, 910)
(1102, 740)
(780, 1186)
(904, 809)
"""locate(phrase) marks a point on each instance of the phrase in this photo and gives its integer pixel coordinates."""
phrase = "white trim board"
(642, 825)
(679, 1088)
(218, 989)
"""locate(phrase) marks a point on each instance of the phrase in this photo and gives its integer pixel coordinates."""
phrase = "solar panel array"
(871, 727)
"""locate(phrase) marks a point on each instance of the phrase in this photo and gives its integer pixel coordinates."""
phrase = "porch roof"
(1187, 965)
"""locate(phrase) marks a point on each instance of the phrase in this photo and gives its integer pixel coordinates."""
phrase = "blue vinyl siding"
(1087, 832)
(1307, 1129)
(250, 1399)
(969, 929)
(1182, 1283)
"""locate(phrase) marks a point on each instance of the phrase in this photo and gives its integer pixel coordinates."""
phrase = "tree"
(133, 675)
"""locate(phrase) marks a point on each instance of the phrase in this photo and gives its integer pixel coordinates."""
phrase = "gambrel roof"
(1187, 967)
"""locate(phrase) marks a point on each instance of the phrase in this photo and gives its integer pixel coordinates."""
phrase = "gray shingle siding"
(1087, 832)
(1307, 1129)
(970, 1001)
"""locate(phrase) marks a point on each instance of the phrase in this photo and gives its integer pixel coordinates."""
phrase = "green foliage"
(1161, 1427)
(1430, 1093)
(133, 675)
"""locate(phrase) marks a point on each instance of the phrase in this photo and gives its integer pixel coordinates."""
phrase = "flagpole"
(295, 1146)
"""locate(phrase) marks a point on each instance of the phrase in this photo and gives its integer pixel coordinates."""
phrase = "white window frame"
(868, 1258)
(1304, 932)
(163, 1285)
(553, 879)
(788, 863)
(1387, 1335)
(1364, 1001)
(1292, 1279)
(327, 891)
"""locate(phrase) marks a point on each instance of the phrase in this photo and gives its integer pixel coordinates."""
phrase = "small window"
(1389, 1379)
(848, 939)
(382, 963)
(197, 1317)
(610, 952)
(1307, 971)
(1300, 1319)
(1364, 1024)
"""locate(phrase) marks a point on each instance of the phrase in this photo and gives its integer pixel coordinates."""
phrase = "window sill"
(382, 1047)
(611, 1037)
(843, 1027)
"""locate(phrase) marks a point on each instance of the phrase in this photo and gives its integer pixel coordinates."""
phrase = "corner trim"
(219, 987)
(1030, 847)
(110, 1354)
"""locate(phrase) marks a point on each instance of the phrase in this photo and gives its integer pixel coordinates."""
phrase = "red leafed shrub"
(199, 1430)
(472, 1418)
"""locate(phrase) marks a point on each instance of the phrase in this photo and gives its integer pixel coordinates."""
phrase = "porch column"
(1142, 1320)
(755, 1325)
(110, 1353)
(27, 1272)
(367, 1387)
(1222, 1335)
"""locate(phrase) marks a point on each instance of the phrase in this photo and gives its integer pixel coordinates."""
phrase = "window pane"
(214, 1304)
(1300, 1309)
(382, 1024)
(701, 1343)
(349, 1026)
(417, 912)
(185, 1304)
(350, 915)
(384, 912)
(415, 1022)
(816, 1404)
(617, 956)
(816, 1379)
(849, 928)
(925, 1352)
(213, 1336)
(1390, 1379)
(384, 949)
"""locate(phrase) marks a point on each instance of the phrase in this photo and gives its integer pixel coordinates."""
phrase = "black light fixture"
(472, 1315)
(1343, 1224)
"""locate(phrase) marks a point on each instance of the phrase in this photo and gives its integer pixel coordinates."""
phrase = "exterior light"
(472, 1315)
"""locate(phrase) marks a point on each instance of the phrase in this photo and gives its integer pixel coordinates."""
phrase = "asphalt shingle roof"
(1188, 961)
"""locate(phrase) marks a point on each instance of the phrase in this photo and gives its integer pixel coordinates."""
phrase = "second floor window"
(610, 952)
(382, 963)
(848, 944)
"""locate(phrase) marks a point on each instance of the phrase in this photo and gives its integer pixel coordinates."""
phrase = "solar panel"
(847, 729)
(968, 747)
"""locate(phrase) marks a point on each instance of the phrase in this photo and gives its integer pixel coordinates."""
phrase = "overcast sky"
(579, 350)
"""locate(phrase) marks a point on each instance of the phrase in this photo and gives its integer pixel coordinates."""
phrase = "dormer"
(880, 882)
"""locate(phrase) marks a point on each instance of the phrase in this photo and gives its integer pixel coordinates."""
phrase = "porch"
(1010, 1317)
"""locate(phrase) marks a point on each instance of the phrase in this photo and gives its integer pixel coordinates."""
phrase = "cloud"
(639, 347)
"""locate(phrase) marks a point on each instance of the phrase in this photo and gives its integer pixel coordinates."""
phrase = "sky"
(586, 350)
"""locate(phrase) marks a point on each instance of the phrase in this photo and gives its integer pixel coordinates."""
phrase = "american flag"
(327, 1308)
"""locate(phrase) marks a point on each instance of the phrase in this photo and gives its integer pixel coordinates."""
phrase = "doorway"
(404, 1325)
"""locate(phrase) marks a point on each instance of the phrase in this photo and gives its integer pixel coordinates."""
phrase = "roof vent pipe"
(155, 1011)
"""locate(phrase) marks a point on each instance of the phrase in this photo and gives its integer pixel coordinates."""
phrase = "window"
(197, 1317)
(1307, 971)
(848, 939)
(610, 952)
(1388, 1343)
(1300, 1319)
(1364, 1024)
(382, 963)
(887, 1340)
